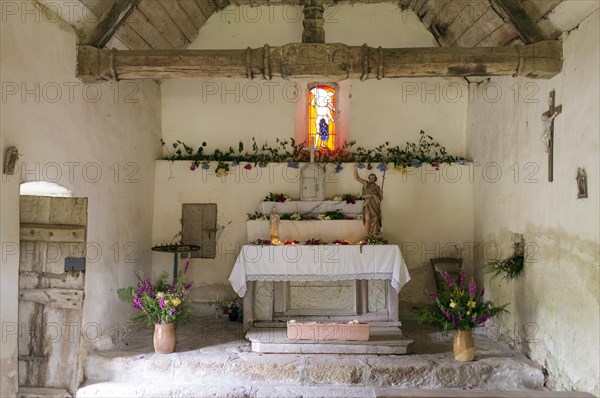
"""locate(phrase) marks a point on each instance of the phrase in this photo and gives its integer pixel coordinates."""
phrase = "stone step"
(228, 364)
(262, 390)
(42, 392)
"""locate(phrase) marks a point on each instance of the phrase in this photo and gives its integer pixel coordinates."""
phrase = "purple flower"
(382, 167)
(474, 318)
(171, 311)
(482, 291)
(161, 303)
(461, 161)
(361, 166)
(262, 165)
(447, 278)
(137, 303)
(187, 286)
(463, 279)
(433, 295)
(292, 165)
(483, 319)
(447, 313)
(205, 166)
(472, 289)
(338, 168)
(187, 265)
(234, 163)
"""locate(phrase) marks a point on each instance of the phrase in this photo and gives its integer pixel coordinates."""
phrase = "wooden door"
(52, 242)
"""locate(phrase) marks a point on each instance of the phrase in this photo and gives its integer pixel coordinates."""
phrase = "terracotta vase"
(464, 345)
(164, 338)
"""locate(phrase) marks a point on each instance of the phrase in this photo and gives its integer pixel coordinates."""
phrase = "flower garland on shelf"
(415, 154)
(317, 242)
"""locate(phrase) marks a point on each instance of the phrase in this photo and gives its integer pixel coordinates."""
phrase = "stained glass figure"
(321, 114)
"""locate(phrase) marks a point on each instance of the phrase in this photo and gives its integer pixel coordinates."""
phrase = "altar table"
(318, 262)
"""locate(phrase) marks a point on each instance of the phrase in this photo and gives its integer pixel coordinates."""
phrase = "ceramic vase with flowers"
(459, 307)
(230, 307)
(163, 304)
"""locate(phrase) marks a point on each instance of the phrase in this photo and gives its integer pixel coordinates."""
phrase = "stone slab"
(42, 392)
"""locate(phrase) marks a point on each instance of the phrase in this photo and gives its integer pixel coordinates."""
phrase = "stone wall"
(100, 142)
(554, 306)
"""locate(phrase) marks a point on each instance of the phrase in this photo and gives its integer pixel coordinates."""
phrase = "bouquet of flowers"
(276, 197)
(160, 302)
(458, 306)
(228, 306)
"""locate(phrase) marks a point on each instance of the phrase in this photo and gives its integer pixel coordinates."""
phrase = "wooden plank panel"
(513, 12)
(68, 211)
(207, 7)
(180, 18)
(52, 233)
(193, 11)
(131, 38)
(163, 23)
(71, 299)
(34, 209)
(117, 44)
(485, 25)
(504, 34)
(142, 26)
(468, 16)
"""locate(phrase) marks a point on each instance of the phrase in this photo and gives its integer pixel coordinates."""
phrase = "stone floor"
(214, 360)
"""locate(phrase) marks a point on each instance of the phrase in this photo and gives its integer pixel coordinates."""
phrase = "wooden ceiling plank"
(504, 34)
(515, 14)
(538, 9)
(131, 38)
(111, 21)
(116, 43)
(313, 60)
(163, 23)
(469, 15)
(144, 28)
(180, 18)
(207, 7)
(489, 22)
(193, 11)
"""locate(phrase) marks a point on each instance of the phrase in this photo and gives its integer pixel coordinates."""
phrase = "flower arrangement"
(161, 302)
(257, 216)
(276, 197)
(458, 306)
(414, 154)
(508, 268)
(229, 306)
(261, 242)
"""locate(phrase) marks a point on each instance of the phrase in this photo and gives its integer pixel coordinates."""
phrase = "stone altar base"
(214, 360)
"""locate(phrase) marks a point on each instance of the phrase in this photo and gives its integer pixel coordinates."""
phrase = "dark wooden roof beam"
(513, 12)
(111, 21)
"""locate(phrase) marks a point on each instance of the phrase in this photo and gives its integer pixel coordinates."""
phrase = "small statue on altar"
(274, 226)
(372, 195)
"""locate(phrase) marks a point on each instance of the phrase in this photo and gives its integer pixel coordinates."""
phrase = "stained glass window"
(321, 116)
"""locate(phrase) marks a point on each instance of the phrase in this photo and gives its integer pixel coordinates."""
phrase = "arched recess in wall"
(43, 188)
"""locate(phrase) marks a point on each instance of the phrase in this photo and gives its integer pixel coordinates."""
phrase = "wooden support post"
(321, 61)
(515, 14)
(313, 22)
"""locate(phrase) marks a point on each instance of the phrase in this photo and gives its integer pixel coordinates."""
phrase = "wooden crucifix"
(548, 118)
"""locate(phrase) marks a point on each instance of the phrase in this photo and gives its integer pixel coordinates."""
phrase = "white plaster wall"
(420, 213)
(107, 128)
(424, 216)
(555, 305)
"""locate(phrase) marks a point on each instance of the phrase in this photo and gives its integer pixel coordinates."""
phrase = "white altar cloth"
(322, 262)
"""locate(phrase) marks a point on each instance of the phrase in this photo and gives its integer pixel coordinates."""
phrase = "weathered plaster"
(554, 310)
(61, 126)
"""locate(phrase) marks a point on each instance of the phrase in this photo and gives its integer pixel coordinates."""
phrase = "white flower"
(338, 198)
(295, 216)
(358, 217)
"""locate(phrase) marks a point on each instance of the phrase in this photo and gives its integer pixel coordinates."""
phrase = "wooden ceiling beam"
(320, 61)
(515, 14)
(111, 21)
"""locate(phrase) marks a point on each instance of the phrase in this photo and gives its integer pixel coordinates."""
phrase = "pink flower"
(192, 167)
(248, 166)
(472, 289)
(433, 295)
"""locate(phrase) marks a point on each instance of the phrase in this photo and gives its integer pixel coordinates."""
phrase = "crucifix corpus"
(548, 118)
(312, 179)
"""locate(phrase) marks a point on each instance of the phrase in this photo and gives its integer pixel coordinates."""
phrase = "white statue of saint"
(274, 226)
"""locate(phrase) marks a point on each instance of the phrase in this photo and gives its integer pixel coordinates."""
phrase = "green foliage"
(411, 154)
(458, 306)
(509, 268)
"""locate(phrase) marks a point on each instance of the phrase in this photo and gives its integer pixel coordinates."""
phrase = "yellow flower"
(176, 301)
(166, 302)
(471, 304)
(469, 312)
(452, 303)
